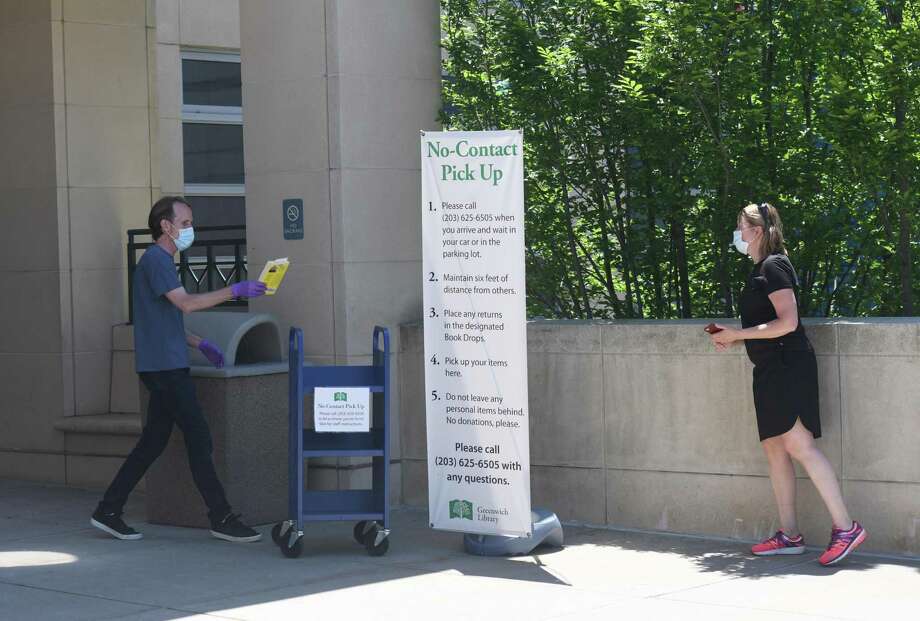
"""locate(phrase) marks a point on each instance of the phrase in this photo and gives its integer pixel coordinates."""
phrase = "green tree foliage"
(650, 123)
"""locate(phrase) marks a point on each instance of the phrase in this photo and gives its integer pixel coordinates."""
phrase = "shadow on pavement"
(732, 558)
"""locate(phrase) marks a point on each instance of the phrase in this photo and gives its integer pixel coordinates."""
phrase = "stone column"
(35, 309)
(75, 169)
(335, 93)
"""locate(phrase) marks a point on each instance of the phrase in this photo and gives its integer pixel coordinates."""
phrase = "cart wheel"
(277, 533)
(292, 551)
(361, 531)
(378, 550)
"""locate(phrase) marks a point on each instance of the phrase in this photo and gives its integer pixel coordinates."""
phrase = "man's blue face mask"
(185, 239)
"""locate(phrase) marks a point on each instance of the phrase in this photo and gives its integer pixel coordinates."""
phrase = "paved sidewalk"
(54, 566)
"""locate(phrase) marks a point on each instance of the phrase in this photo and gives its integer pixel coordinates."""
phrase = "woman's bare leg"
(782, 477)
(800, 443)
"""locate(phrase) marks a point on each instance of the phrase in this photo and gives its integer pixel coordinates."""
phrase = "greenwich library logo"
(463, 510)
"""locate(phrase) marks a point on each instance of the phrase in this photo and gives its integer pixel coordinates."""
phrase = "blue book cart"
(369, 508)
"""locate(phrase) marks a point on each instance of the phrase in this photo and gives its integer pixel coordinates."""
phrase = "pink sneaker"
(779, 543)
(842, 543)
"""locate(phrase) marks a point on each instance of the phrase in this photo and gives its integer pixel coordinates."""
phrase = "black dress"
(785, 368)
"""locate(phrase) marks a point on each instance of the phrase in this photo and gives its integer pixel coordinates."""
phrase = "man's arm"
(193, 340)
(191, 302)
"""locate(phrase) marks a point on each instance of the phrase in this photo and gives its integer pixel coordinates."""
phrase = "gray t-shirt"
(159, 330)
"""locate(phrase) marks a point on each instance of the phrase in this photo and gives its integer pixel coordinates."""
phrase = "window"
(212, 137)
(211, 80)
(213, 154)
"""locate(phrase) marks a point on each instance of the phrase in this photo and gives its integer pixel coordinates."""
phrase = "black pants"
(172, 400)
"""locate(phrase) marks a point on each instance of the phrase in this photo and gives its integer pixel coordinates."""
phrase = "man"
(160, 346)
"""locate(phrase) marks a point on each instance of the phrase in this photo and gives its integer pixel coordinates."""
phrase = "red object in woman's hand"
(712, 328)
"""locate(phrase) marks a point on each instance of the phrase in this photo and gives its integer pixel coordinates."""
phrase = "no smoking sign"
(292, 221)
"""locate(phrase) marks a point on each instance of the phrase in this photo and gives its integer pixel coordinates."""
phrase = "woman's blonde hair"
(766, 216)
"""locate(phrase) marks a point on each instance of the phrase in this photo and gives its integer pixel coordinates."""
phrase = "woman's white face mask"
(740, 245)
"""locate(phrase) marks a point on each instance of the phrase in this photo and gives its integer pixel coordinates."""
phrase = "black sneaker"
(114, 525)
(232, 529)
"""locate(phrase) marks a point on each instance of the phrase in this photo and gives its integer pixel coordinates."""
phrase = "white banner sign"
(341, 410)
(475, 332)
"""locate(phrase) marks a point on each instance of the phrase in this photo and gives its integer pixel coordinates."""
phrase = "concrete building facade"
(97, 111)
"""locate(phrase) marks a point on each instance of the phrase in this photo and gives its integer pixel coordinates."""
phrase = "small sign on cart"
(341, 410)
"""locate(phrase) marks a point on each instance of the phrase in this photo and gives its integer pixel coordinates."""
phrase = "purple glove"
(211, 352)
(248, 289)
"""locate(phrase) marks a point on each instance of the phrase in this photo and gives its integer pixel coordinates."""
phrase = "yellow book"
(273, 273)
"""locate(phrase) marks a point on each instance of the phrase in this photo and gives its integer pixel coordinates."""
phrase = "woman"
(785, 385)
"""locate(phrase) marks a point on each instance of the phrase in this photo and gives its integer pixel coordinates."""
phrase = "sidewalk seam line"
(729, 579)
(148, 607)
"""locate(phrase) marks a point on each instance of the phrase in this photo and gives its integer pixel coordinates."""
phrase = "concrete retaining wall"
(641, 424)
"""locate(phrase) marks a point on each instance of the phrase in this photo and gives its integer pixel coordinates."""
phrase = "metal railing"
(198, 271)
